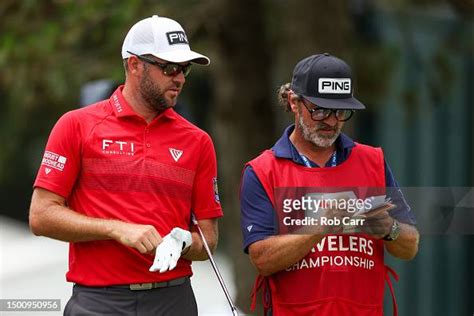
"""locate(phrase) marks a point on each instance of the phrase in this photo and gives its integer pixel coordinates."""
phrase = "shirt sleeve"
(257, 218)
(402, 212)
(61, 161)
(206, 202)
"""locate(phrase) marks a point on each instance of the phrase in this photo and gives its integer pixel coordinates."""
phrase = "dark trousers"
(94, 301)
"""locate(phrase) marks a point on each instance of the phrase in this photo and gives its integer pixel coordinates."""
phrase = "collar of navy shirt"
(284, 148)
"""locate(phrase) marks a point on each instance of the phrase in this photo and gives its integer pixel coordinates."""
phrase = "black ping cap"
(325, 81)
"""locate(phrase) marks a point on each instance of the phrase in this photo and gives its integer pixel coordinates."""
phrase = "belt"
(155, 285)
(150, 286)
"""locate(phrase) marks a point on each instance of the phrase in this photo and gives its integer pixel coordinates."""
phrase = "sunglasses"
(169, 69)
(320, 114)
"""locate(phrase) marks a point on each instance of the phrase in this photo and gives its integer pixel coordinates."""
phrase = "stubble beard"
(152, 94)
(312, 135)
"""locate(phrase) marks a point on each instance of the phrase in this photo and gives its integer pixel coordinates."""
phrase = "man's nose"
(331, 120)
(179, 78)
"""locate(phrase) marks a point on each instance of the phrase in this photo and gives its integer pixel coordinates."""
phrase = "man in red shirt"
(330, 268)
(120, 179)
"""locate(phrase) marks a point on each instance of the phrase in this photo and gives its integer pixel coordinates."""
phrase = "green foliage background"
(48, 49)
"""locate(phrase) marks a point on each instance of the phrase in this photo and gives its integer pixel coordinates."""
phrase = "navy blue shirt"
(257, 215)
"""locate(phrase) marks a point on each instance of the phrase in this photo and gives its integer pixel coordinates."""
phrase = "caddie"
(322, 272)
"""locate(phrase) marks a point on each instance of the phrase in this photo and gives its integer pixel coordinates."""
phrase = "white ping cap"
(163, 38)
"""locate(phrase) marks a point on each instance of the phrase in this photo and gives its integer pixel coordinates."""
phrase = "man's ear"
(293, 100)
(133, 65)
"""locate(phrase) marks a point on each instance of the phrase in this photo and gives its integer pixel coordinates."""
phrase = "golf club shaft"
(214, 266)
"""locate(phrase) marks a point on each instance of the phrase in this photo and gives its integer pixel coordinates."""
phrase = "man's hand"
(378, 224)
(144, 238)
(169, 251)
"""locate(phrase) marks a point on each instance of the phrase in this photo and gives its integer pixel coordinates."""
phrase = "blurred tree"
(243, 118)
(47, 50)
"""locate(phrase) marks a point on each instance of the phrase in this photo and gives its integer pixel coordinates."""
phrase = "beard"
(152, 94)
(312, 135)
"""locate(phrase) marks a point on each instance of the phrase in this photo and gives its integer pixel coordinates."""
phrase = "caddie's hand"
(144, 238)
(378, 224)
(169, 251)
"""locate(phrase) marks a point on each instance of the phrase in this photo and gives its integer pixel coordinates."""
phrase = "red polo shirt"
(108, 162)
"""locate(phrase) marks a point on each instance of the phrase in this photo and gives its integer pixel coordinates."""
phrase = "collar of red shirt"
(123, 109)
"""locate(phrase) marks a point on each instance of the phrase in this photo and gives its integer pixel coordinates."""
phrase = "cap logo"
(177, 37)
(334, 85)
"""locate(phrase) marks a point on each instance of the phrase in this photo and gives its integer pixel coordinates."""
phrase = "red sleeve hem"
(208, 214)
(51, 187)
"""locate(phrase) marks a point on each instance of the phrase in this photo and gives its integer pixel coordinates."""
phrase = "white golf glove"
(169, 251)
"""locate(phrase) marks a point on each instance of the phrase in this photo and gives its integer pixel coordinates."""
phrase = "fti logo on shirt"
(118, 147)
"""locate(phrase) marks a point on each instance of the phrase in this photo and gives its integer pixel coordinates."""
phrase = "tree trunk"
(243, 116)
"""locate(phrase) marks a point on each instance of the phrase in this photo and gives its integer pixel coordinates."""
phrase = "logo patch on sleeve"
(53, 160)
(216, 190)
(177, 37)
